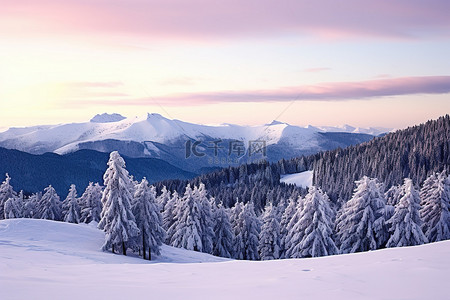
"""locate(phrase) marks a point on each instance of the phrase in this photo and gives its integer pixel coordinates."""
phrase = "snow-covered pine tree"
(291, 237)
(435, 202)
(12, 209)
(312, 234)
(6, 192)
(285, 219)
(237, 225)
(361, 223)
(50, 205)
(223, 241)
(187, 230)
(28, 205)
(169, 215)
(91, 203)
(163, 198)
(269, 237)
(117, 219)
(405, 224)
(32, 206)
(249, 232)
(71, 210)
(148, 219)
(206, 220)
(394, 194)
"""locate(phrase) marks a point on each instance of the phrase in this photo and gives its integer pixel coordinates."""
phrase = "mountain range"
(192, 147)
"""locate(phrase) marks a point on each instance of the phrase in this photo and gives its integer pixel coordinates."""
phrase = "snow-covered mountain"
(43, 259)
(156, 136)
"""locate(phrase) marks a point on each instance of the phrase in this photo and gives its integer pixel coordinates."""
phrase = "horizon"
(367, 64)
(268, 123)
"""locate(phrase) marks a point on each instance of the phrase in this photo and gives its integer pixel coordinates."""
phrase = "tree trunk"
(124, 250)
(113, 248)
(149, 254)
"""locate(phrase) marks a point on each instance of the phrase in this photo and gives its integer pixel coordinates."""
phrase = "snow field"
(42, 259)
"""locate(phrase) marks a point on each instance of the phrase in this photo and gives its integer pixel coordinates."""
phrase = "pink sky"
(209, 61)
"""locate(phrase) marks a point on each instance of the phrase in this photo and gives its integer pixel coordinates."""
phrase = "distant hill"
(173, 141)
(32, 173)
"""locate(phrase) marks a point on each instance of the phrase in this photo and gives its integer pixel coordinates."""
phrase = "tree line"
(135, 217)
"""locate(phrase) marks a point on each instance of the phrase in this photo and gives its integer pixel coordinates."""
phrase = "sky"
(324, 62)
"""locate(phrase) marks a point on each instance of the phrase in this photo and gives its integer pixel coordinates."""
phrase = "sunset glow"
(365, 63)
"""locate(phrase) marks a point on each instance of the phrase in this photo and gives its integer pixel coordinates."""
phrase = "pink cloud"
(334, 91)
(208, 19)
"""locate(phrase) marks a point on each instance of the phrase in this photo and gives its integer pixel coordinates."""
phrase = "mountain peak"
(154, 116)
(107, 118)
(276, 122)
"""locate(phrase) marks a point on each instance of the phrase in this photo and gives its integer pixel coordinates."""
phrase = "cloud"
(209, 20)
(334, 91)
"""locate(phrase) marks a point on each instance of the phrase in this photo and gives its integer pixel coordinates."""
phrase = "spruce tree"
(237, 225)
(361, 223)
(6, 192)
(169, 215)
(50, 205)
(117, 219)
(12, 209)
(285, 219)
(223, 245)
(71, 210)
(91, 204)
(163, 198)
(248, 229)
(187, 229)
(148, 219)
(269, 237)
(405, 224)
(313, 232)
(435, 201)
(206, 218)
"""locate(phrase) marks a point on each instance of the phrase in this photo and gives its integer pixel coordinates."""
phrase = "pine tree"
(223, 245)
(248, 230)
(6, 192)
(361, 224)
(313, 232)
(91, 203)
(71, 210)
(163, 198)
(269, 237)
(292, 237)
(237, 225)
(206, 220)
(117, 219)
(32, 206)
(169, 215)
(405, 224)
(285, 219)
(50, 205)
(187, 229)
(148, 219)
(12, 209)
(435, 201)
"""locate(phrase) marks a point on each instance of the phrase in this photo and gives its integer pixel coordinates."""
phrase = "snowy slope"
(66, 138)
(51, 260)
(302, 179)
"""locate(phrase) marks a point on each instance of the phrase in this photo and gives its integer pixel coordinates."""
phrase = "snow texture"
(302, 179)
(43, 259)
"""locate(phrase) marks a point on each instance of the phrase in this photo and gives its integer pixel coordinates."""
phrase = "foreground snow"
(302, 179)
(50, 260)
